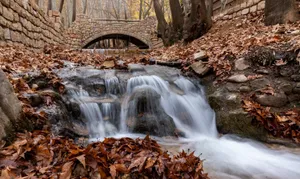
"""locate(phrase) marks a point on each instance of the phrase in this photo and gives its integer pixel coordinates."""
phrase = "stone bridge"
(85, 31)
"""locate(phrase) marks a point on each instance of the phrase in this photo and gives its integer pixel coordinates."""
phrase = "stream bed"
(174, 110)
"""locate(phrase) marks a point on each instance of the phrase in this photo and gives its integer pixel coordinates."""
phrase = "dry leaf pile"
(38, 155)
(230, 39)
(285, 124)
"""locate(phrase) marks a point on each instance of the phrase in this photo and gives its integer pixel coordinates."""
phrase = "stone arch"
(133, 38)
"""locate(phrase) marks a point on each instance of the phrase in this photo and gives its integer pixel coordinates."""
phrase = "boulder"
(231, 118)
(241, 64)
(10, 110)
(108, 64)
(240, 78)
(200, 68)
(276, 100)
(260, 83)
(296, 78)
(239, 122)
(146, 115)
(200, 56)
(287, 88)
(135, 67)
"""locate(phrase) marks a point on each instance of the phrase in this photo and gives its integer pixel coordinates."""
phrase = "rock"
(259, 83)
(10, 110)
(232, 87)
(108, 64)
(240, 78)
(276, 100)
(200, 56)
(286, 87)
(245, 89)
(296, 90)
(200, 68)
(241, 64)
(34, 99)
(221, 99)
(294, 98)
(230, 117)
(296, 78)
(263, 71)
(295, 32)
(146, 115)
(286, 71)
(135, 67)
(239, 122)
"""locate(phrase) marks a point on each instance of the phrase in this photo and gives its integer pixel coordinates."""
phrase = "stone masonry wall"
(23, 23)
(236, 8)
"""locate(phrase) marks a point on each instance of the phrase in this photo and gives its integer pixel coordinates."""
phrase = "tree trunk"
(177, 18)
(84, 7)
(49, 5)
(196, 20)
(141, 9)
(163, 29)
(61, 5)
(280, 11)
(74, 11)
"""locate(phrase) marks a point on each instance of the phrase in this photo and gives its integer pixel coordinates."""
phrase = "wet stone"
(238, 78)
(200, 56)
(296, 78)
(245, 89)
(200, 68)
(241, 64)
(286, 87)
(276, 100)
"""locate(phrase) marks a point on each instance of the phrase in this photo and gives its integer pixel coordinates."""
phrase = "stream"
(159, 101)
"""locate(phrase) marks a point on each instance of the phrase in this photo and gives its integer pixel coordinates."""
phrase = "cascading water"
(150, 97)
(98, 127)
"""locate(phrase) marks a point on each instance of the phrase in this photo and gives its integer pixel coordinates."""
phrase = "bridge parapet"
(86, 30)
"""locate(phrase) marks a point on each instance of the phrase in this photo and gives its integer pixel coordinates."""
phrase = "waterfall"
(190, 111)
(185, 103)
(97, 126)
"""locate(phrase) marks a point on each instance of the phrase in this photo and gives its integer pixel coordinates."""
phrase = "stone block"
(8, 14)
(1, 33)
(6, 2)
(55, 13)
(245, 11)
(261, 5)
(243, 5)
(253, 8)
(17, 26)
(7, 34)
(16, 17)
(250, 3)
(15, 36)
(1, 9)
(256, 1)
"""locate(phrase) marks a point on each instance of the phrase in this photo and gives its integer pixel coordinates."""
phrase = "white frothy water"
(91, 111)
(225, 157)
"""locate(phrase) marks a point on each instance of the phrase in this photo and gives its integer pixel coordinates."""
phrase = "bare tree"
(74, 11)
(84, 2)
(280, 11)
(49, 5)
(141, 9)
(61, 5)
(177, 17)
(196, 21)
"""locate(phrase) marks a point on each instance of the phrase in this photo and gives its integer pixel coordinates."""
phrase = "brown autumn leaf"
(113, 171)
(66, 170)
(81, 159)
